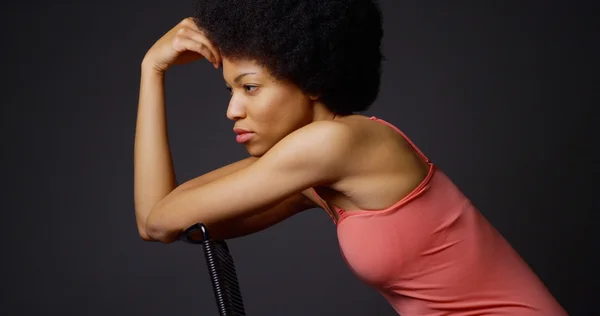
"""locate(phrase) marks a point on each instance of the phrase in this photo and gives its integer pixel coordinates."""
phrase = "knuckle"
(189, 22)
(177, 42)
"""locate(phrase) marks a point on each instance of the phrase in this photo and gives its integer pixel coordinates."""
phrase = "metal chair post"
(221, 268)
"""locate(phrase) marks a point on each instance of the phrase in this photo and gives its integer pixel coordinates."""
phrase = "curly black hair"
(329, 48)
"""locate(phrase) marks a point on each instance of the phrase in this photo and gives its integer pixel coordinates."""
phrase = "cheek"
(275, 118)
(282, 109)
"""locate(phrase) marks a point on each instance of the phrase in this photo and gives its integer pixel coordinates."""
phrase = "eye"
(250, 88)
(228, 88)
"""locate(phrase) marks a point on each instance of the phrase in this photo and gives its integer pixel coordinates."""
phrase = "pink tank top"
(433, 253)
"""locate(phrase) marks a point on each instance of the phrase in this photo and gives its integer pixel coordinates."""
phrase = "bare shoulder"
(319, 143)
(336, 133)
(326, 145)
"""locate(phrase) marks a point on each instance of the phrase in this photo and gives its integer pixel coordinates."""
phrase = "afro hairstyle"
(328, 48)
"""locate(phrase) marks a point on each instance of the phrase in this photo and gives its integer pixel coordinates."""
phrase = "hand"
(182, 44)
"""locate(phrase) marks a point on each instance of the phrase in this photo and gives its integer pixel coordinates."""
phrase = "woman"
(299, 73)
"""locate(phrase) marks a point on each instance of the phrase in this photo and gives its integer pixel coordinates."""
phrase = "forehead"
(234, 68)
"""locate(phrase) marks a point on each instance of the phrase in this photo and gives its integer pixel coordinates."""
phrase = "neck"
(322, 113)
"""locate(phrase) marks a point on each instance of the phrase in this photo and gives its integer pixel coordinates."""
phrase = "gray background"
(496, 93)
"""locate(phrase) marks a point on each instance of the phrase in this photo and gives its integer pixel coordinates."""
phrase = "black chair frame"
(222, 271)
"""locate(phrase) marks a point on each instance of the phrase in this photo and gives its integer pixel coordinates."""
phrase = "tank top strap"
(330, 211)
(408, 140)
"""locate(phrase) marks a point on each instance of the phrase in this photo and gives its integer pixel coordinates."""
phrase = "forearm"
(154, 176)
(240, 227)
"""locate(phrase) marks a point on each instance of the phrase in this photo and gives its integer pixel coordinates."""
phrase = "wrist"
(151, 68)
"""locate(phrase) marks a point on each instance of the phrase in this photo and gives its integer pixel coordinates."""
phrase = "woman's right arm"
(154, 176)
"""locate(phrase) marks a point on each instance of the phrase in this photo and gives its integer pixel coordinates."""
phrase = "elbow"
(143, 234)
(157, 229)
(141, 229)
(141, 218)
(161, 235)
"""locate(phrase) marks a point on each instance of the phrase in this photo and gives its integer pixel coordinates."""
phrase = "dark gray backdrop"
(497, 93)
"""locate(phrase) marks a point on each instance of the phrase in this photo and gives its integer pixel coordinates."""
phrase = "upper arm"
(215, 174)
(248, 225)
(306, 158)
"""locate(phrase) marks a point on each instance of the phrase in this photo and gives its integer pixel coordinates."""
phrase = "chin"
(257, 149)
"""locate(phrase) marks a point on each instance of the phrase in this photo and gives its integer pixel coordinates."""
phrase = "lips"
(243, 135)
(239, 130)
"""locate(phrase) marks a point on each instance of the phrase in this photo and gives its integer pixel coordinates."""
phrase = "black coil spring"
(224, 278)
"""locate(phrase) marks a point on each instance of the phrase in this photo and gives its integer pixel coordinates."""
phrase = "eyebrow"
(238, 78)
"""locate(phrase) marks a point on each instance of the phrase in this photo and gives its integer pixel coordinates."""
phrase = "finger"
(182, 43)
(198, 35)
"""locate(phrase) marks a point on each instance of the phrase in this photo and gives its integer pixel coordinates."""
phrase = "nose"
(236, 109)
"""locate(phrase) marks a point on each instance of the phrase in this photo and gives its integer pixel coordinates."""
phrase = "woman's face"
(264, 110)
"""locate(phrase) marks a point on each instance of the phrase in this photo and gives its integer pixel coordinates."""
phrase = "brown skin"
(270, 108)
(298, 145)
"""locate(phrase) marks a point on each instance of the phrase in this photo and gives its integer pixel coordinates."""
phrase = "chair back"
(221, 269)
